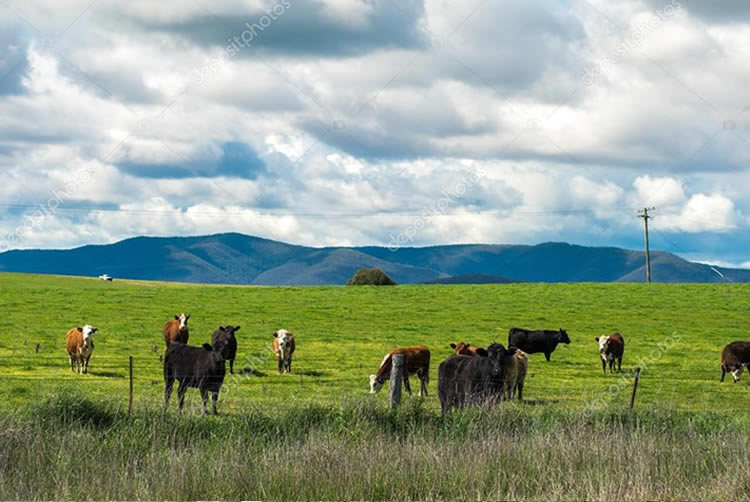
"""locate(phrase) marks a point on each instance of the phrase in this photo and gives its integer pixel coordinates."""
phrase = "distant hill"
(241, 259)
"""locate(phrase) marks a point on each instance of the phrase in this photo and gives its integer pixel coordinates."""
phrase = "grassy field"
(688, 436)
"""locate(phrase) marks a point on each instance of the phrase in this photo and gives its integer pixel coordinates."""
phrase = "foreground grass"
(68, 447)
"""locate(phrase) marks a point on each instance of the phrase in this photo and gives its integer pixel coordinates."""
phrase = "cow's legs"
(723, 373)
(423, 379)
(546, 355)
(519, 386)
(281, 365)
(215, 398)
(204, 398)
(72, 363)
(289, 365)
(168, 383)
(406, 382)
(86, 364)
(231, 366)
(181, 394)
(604, 366)
(619, 364)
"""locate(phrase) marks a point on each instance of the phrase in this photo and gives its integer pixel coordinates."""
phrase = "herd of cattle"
(471, 376)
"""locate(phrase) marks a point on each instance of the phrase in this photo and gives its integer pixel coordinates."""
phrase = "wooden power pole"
(643, 213)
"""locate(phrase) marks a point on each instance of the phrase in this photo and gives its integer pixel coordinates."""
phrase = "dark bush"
(370, 277)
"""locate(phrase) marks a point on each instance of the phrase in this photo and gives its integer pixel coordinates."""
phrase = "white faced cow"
(80, 345)
(416, 361)
(611, 349)
(283, 347)
(176, 330)
(734, 358)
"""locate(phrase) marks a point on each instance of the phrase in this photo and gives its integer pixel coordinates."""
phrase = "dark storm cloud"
(714, 11)
(237, 160)
(303, 28)
(14, 64)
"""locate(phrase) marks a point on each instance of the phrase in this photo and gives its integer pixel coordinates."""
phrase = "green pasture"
(675, 332)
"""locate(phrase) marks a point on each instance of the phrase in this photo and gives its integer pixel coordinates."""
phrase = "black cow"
(532, 342)
(470, 380)
(227, 335)
(734, 358)
(201, 367)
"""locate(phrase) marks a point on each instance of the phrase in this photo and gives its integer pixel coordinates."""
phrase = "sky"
(385, 122)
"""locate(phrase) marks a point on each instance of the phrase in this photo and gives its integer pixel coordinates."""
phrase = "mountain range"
(233, 258)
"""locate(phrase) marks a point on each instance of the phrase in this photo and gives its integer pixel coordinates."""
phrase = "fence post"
(397, 374)
(635, 386)
(130, 396)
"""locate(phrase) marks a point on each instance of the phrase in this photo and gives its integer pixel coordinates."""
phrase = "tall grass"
(67, 447)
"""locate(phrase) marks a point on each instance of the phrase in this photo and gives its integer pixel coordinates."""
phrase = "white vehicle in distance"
(105, 277)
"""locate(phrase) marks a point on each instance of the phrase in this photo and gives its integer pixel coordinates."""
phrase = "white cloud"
(701, 213)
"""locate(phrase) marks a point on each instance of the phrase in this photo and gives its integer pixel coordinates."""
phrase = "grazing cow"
(468, 380)
(532, 342)
(611, 348)
(468, 350)
(80, 345)
(227, 335)
(283, 347)
(416, 360)
(200, 367)
(515, 373)
(734, 358)
(176, 330)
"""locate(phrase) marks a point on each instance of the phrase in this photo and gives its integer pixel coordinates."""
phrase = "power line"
(376, 212)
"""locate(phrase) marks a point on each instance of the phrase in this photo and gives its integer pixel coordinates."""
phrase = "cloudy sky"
(350, 122)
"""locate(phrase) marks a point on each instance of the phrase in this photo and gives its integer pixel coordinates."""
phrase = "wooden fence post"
(635, 386)
(130, 396)
(397, 374)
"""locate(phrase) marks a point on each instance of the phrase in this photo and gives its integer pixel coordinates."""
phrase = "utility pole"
(643, 213)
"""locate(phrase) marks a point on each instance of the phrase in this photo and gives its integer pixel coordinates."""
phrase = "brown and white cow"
(80, 345)
(283, 347)
(176, 330)
(611, 348)
(416, 360)
(734, 358)
(465, 349)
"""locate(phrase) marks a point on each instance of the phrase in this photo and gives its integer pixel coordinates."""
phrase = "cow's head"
(562, 336)
(496, 352)
(217, 351)
(229, 331)
(183, 318)
(736, 371)
(376, 383)
(284, 338)
(603, 342)
(88, 332)
(461, 348)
